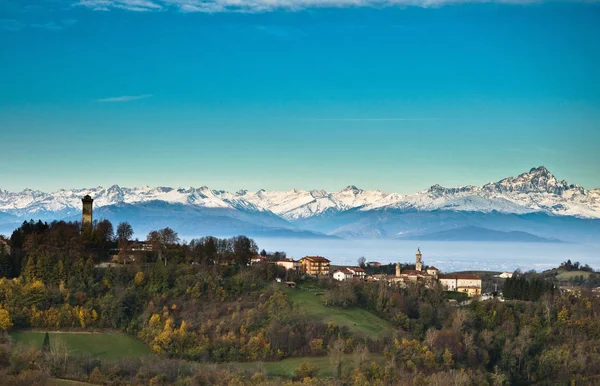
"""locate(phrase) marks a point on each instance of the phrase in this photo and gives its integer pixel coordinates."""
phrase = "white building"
(289, 264)
(462, 282)
(343, 274)
(357, 271)
(258, 259)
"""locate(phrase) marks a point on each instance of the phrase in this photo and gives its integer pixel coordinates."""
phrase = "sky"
(260, 94)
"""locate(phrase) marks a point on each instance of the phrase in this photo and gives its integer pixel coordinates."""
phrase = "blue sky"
(322, 95)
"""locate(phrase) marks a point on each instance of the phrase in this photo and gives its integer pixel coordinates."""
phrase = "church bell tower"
(86, 214)
(419, 261)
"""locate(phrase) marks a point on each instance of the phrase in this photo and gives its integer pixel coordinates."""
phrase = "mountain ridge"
(537, 190)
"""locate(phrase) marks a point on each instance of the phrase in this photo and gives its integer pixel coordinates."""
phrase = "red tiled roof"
(412, 272)
(357, 269)
(461, 276)
(344, 271)
(288, 260)
(433, 268)
(316, 259)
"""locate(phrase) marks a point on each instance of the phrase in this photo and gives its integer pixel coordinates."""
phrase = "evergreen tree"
(46, 344)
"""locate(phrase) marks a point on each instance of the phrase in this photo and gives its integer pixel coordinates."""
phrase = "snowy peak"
(538, 180)
(537, 190)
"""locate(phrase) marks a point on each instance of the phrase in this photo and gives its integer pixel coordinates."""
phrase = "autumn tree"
(5, 320)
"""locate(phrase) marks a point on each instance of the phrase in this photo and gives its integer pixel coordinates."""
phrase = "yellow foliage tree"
(563, 315)
(5, 320)
(447, 357)
(139, 279)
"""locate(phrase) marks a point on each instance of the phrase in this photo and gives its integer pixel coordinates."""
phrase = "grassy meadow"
(358, 320)
(286, 367)
(101, 345)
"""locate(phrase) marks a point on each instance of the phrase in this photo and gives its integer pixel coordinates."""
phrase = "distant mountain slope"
(191, 221)
(351, 212)
(393, 224)
(482, 234)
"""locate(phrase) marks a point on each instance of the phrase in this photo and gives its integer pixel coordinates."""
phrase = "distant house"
(140, 246)
(343, 274)
(315, 265)
(462, 282)
(290, 264)
(505, 275)
(290, 284)
(375, 264)
(258, 259)
(358, 272)
(433, 271)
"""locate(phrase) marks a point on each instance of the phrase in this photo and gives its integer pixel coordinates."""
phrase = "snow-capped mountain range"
(534, 191)
(532, 207)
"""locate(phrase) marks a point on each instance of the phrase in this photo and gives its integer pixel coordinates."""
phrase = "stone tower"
(398, 270)
(86, 214)
(419, 261)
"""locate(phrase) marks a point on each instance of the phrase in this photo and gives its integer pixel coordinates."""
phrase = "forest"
(200, 306)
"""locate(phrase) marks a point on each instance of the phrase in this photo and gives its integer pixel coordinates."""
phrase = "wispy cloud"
(130, 5)
(124, 98)
(16, 25)
(215, 6)
(372, 119)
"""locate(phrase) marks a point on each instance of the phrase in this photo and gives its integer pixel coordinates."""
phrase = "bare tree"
(124, 233)
(362, 262)
(360, 355)
(161, 240)
(335, 352)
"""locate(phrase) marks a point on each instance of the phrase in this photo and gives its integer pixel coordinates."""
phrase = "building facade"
(358, 272)
(290, 264)
(343, 274)
(462, 282)
(315, 265)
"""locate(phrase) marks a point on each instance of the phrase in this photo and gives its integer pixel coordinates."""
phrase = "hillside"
(362, 322)
(482, 234)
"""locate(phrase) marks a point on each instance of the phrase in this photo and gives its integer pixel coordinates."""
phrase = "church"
(467, 283)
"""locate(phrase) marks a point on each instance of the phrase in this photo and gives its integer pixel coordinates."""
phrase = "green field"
(286, 367)
(566, 275)
(101, 345)
(358, 320)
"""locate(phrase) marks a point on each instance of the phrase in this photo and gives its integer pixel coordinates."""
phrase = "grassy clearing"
(285, 368)
(358, 320)
(566, 275)
(66, 382)
(101, 345)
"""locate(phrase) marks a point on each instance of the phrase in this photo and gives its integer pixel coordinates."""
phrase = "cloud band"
(216, 6)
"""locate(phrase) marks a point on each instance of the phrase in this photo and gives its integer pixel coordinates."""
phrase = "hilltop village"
(321, 267)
